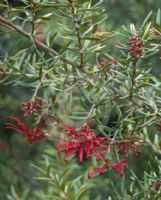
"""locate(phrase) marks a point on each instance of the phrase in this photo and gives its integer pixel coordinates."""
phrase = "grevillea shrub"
(95, 113)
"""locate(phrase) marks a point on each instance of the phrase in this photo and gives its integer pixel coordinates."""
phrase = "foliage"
(93, 103)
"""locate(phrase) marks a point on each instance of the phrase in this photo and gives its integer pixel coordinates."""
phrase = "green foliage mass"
(54, 49)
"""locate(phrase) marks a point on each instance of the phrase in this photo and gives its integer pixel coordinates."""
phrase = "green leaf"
(147, 31)
(65, 171)
(43, 171)
(133, 30)
(123, 189)
(158, 17)
(14, 193)
(146, 20)
(82, 192)
(43, 178)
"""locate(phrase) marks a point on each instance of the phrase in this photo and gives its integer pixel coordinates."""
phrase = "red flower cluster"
(136, 47)
(31, 136)
(125, 147)
(86, 144)
(33, 106)
(118, 167)
(81, 144)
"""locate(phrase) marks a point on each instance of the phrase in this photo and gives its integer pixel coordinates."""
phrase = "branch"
(9, 24)
(77, 29)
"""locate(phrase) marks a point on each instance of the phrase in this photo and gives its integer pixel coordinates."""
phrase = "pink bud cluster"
(136, 47)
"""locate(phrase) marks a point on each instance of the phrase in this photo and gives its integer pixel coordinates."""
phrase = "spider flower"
(31, 136)
(118, 167)
(83, 144)
(33, 106)
(99, 170)
(124, 148)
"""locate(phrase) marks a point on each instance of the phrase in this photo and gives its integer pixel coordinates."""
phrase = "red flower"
(136, 47)
(118, 167)
(99, 170)
(31, 136)
(125, 147)
(33, 106)
(83, 143)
